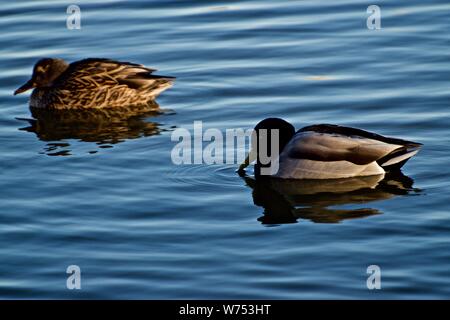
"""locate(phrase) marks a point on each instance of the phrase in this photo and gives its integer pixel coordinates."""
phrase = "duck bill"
(27, 86)
(250, 158)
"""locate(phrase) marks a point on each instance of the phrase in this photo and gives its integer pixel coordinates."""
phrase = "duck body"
(330, 152)
(327, 151)
(93, 83)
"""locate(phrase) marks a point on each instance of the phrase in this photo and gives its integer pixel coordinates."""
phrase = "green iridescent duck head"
(45, 71)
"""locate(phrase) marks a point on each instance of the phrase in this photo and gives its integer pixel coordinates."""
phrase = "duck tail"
(397, 158)
(151, 83)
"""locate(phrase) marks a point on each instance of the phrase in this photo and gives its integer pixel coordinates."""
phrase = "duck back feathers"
(329, 151)
(101, 83)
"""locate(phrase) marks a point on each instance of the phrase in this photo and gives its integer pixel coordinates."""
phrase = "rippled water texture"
(105, 195)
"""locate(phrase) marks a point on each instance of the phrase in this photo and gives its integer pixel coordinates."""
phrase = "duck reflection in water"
(104, 127)
(287, 201)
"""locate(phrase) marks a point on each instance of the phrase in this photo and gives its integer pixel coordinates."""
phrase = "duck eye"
(39, 76)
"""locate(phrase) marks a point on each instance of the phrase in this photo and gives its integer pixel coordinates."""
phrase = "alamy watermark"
(213, 146)
(73, 21)
(374, 20)
(374, 279)
(74, 279)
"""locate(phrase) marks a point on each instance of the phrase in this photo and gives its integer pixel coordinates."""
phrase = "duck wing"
(327, 142)
(334, 152)
(350, 132)
(97, 72)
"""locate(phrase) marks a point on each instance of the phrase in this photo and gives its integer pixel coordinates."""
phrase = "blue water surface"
(111, 201)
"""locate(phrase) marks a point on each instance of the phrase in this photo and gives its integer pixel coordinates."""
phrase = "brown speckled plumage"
(93, 83)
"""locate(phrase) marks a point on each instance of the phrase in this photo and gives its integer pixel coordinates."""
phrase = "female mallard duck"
(324, 151)
(92, 83)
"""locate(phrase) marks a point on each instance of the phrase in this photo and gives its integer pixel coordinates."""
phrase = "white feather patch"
(399, 158)
(291, 168)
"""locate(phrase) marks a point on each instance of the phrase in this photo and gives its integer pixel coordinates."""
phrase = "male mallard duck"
(325, 151)
(92, 83)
